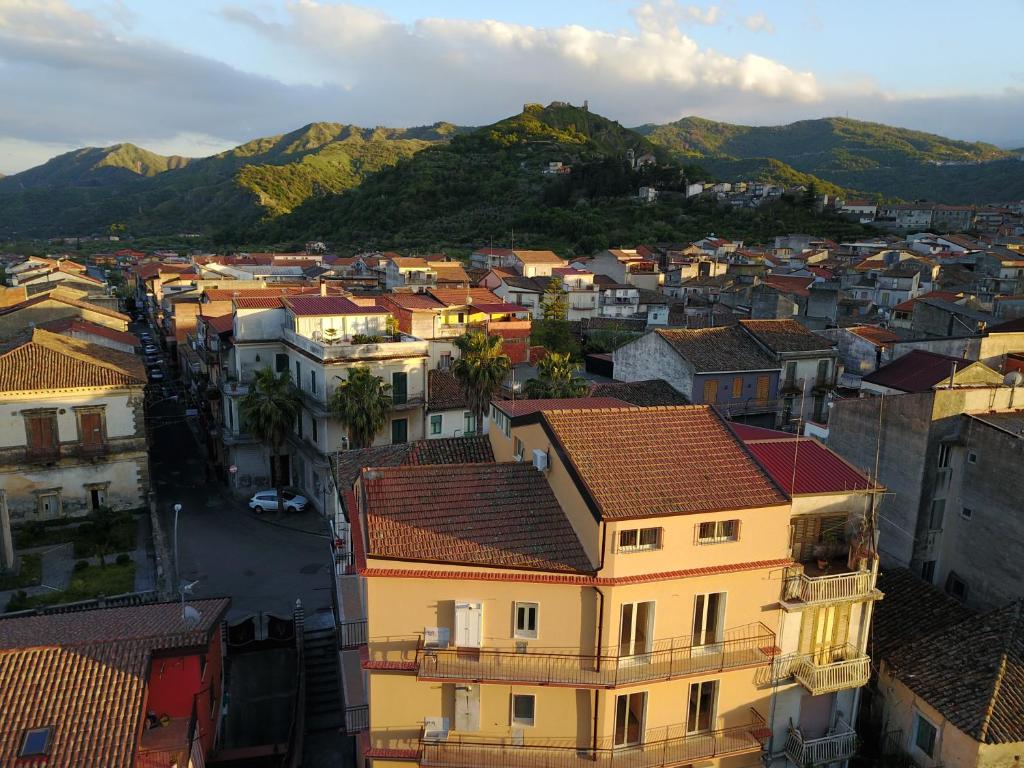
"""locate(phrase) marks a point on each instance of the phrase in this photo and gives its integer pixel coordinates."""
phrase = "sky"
(194, 77)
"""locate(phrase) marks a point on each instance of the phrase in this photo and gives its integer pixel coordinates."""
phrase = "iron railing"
(357, 718)
(657, 748)
(749, 645)
(837, 746)
(798, 587)
(833, 669)
(352, 634)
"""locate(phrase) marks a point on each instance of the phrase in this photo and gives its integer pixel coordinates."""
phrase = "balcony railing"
(833, 669)
(90, 450)
(801, 590)
(752, 405)
(357, 718)
(839, 745)
(344, 348)
(658, 748)
(352, 634)
(750, 645)
(42, 455)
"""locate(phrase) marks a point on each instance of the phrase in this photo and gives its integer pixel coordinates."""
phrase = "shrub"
(123, 559)
(81, 565)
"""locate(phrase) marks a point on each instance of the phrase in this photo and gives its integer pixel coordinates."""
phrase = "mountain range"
(343, 181)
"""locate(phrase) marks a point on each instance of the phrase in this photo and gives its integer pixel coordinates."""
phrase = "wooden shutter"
(42, 433)
(762, 387)
(710, 390)
(90, 428)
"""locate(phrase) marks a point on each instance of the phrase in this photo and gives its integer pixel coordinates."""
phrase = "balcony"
(836, 747)
(802, 589)
(90, 450)
(750, 406)
(343, 349)
(659, 748)
(747, 646)
(42, 455)
(832, 669)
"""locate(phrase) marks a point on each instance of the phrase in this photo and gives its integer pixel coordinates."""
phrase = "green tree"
(363, 403)
(269, 412)
(553, 303)
(481, 368)
(556, 377)
(102, 530)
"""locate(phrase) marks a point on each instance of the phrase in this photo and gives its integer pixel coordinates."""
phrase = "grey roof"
(643, 393)
(959, 309)
(710, 350)
(475, 449)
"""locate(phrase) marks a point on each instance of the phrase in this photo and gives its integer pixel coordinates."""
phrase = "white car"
(268, 500)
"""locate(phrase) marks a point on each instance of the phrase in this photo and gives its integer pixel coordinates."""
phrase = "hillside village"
(807, 451)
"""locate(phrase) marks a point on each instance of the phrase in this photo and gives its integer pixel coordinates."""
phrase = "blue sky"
(196, 76)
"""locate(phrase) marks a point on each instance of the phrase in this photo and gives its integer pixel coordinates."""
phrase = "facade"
(447, 413)
(594, 615)
(72, 429)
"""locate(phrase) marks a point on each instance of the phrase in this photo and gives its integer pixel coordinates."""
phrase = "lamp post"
(177, 570)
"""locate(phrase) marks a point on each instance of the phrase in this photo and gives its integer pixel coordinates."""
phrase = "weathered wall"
(650, 357)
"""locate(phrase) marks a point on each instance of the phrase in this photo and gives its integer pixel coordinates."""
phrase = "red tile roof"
(538, 257)
(64, 296)
(516, 408)
(413, 301)
(817, 469)
(226, 294)
(220, 323)
(908, 305)
(474, 449)
(444, 392)
(799, 286)
(74, 325)
(501, 515)
(259, 302)
(53, 362)
(872, 333)
(457, 297)
(651, 462)
(499, 308)
(328, 305)
(786, 336)
(720, 349)
(916, 371)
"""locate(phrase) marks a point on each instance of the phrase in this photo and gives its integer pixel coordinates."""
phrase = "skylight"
(36, 742)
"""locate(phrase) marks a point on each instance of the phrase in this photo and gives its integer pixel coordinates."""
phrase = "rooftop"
(786, 336)
(75, 325)
(460, 297)
(516, 408)
(651, 462)
(711, 350)
(449, 450)
(538, 257)
(52, 362)
(917, 371)
(1011, 422)
(799, 286)
(332, 306)
(503, 515)
(643, 393)
(874, 334)
(444, 392)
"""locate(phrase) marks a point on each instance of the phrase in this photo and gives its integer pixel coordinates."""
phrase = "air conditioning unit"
(435, 637)
(435, 729)
(540, 459)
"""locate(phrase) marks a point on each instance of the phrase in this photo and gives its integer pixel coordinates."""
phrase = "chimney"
(323, 287)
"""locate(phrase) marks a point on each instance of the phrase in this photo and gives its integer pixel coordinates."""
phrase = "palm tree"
(269, 412)
(481, 369)
(556, 377)
(362, 402)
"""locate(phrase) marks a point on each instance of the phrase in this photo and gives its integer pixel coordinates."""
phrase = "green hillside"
(94, 166)
(873, 158)
(489, 186)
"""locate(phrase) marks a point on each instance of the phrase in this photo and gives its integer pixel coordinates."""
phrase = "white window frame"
(638, 546)
(718, 537)
(522, 722)
(526, 634)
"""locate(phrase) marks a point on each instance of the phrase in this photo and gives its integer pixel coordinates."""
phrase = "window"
(639, 539)
(298, 423)
(35, 742)
(938, 511)
(312, 382)
(700, 715)
(924, 735)
(524, 709)
(298, 373)
(718, 531)
(280, 363)
(526, 620)
(469, 420)
(790, 373)
(314, 432)
(737, 387)
(943, 459)
(762, 387)
(972, 457)
(41, 434)
(708, 619)
(956, 586)
(710, 391)
(928, 571)
(501, 421)
(399, 431)
(91, 431)
(399, 388)
(822, 372)
(48, 504)
(630, 712)
(445, 362)
(966, 513)
(519, 449)
(435, 424)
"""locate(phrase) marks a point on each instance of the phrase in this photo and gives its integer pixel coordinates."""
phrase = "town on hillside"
(706, 503)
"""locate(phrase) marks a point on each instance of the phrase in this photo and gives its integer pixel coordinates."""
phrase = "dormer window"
(35, 742)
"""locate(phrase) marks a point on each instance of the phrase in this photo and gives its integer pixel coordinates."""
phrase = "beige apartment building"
(622, 586)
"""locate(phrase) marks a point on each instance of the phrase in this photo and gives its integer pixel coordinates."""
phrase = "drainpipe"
(600, 634)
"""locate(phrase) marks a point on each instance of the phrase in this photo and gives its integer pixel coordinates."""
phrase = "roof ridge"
(46, 339)
(997, 684)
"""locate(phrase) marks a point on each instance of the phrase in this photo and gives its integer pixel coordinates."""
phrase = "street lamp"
(177, 509)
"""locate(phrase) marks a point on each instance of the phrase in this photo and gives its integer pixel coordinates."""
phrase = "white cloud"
(758, 22)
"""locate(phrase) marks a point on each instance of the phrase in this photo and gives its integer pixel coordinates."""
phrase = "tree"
(481, 368)
(362, 402)
(269, 411)
(556, 378)
(102, 531)
(553, 303)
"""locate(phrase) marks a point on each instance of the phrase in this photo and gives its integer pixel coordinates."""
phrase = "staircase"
(324, 707)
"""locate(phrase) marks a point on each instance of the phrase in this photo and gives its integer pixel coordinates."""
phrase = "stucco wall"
(651, 357)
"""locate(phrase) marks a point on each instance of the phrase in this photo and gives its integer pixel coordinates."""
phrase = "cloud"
(759, 23)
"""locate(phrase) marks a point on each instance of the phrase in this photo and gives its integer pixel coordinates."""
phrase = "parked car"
(155, 374)
(150, 349)
(262, 500)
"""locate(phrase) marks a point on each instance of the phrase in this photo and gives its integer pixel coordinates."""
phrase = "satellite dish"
(1013, 379)
(191, 616)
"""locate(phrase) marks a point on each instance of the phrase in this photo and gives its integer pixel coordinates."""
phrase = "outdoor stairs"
(324, 707)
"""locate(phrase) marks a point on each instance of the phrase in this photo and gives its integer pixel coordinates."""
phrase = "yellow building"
(625, 593)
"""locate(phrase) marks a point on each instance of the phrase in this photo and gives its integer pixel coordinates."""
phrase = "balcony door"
(630, 713)
(823, 632)
(467, 708)
(636, 632)
(399, 388)
(700, 712)
(469, 624)
(709, 622)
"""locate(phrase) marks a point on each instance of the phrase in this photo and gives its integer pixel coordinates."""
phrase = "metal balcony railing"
(837, 746)
(44, 455)
(749, 645)
(357, 718)
(657, 748)
(352, 634)
(800, 589)
(833, 669)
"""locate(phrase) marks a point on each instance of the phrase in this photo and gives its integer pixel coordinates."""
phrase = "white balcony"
(839, 745)
(345, 349)
(802, 589)
(832, 669)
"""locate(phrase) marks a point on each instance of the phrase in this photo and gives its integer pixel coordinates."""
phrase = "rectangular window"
(445, 362)
(49, 505)
(708, 619)
(314, 432)
(524, 709)
(41, 433)
(790, 373)
(956, 586)
(639, 539)
(711, 391)
(399, 431)
(938, 511)
(399, 388)
(924, 735)
(35, 742)
(518, 450)
(280, 363)
(928, 571)
(630, 712)
(312, 382)
(966, 513)
(91, 433)
(435, 424)
(763, 387)
(737, 387)
(718, 531)
(943, 458)
(972, 457)
(700, 715)
(298, 423)
(526, 620)
(469, 420)
(298, 374)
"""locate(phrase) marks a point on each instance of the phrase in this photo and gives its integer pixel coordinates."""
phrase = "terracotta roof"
(538, 257)
(449, 450)
(259, 302)
(409, 262)
(916, 371)
(650, 462)
(520, 283)
(800, 286)
(76, 325)
(872, 333)
(329, 305)
(456, 297)
(503, 515)
(642, 393)
(786, 336)
(413, 301)
(499, 308)
(51, 362)
(449, 272)
(226, 294)
(516, 408)
(972, 672)
(802, 465)
(64, 296)
(220, 323)
(711, 350)
(84, 675)
(494, 251)
(444, 392)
